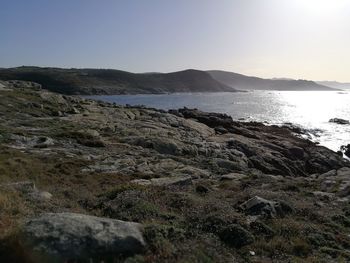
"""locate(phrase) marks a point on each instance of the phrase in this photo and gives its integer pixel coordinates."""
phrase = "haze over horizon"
(270, 38)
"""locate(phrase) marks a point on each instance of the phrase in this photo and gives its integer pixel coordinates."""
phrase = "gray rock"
(233, 176)
(328, 174)
(23, 187)
(161, 145)
(59, 237)
(337, 182)
(323, 195)
(165, 181)
(339, 121)
(226, 164)
(21, 84)
(261, 207)
(44, 142)
(73, 110)
(40, 196)
(32, 142)
(28, 189)
(193, 172)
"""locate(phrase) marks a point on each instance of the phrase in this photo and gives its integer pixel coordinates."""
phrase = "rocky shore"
(88, 181)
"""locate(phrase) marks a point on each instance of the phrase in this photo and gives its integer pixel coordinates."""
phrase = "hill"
(109, 82)
(239, 81)
(335, 84)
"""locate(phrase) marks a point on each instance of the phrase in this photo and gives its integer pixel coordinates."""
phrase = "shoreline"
(312, 133)
(164, 180)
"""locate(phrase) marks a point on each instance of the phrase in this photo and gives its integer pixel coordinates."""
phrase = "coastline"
(243, 107)
(186, 178)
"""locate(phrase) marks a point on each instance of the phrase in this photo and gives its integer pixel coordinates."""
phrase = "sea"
(310, 110)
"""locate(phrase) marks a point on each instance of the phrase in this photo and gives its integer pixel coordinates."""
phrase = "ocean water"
(308, 109)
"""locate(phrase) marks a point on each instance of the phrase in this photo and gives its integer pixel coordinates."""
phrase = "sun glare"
(321, 6)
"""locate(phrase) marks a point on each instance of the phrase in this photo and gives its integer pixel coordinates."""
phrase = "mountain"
(239, 81)
(335, 84)
(109, 82)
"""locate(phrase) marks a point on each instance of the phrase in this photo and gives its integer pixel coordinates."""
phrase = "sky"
(302, 39)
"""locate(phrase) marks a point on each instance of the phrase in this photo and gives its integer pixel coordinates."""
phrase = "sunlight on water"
(309, 109)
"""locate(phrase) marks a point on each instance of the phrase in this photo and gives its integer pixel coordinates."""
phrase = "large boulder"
(60, 237)
(261, 207)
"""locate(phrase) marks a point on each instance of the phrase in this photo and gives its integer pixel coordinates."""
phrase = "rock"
(236, 236)
(57, 113)
(328, 174)
(141, 182)
(201, 128)
(53, 98)
(40, 196)
(23, 187)
(339, 121)
(233, 176)
(60, 237)
(29, 189)
(323, 195)
(220, 130)
(73, 110)
(90, 138)
(346, 149)
(165, 181)
(226, 164)
(194, 172)
(211, 119)
(337, 182)
(44, 142)
(261, 207)
(32, 142)
(21, 84)
(3, 85)
(161, 144)
(90, 133)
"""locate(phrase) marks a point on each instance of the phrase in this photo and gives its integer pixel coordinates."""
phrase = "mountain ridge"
(335, 84)
(92, 81)
(240, 81)
(88, 81)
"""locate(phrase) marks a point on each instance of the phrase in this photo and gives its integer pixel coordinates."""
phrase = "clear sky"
(307, 39)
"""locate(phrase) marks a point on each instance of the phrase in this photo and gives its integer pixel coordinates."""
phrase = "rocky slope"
(239, 81)
(107, 81)
(85, 180)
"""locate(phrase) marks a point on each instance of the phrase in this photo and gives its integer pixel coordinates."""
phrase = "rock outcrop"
(59, 237)
(340, 121)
